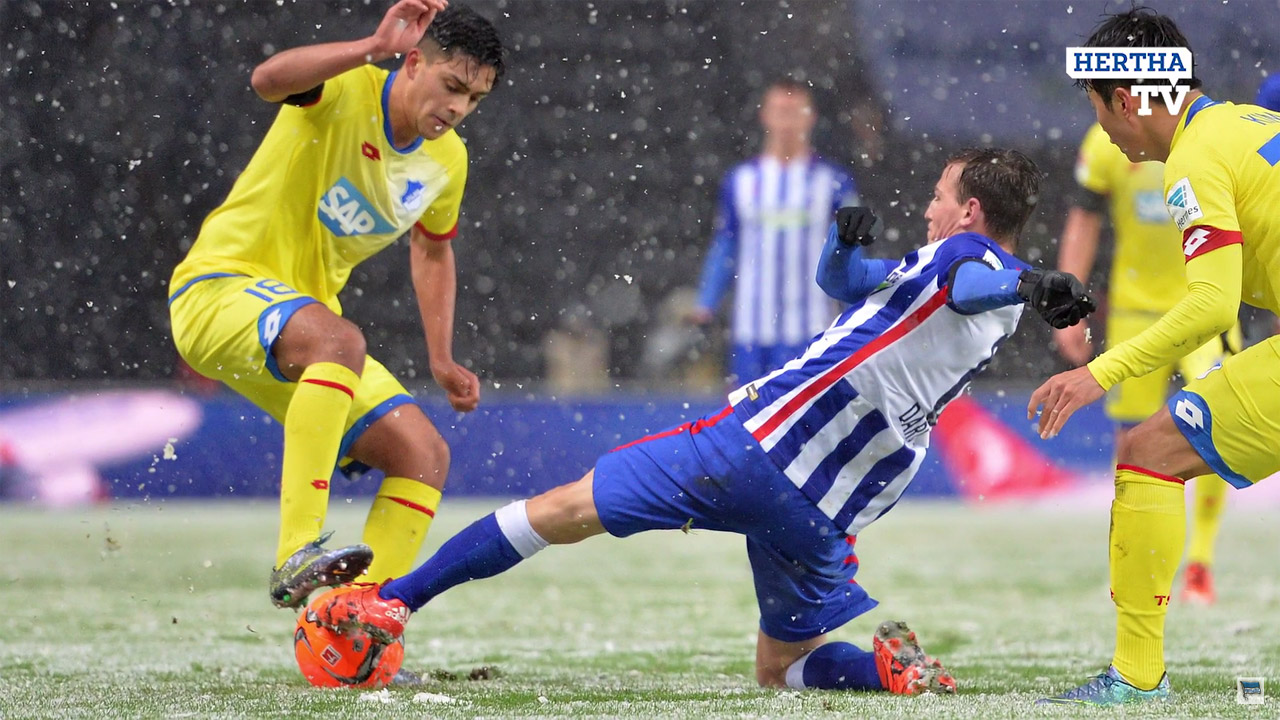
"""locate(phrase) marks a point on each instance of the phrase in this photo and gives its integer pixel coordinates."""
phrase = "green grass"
(160, 610)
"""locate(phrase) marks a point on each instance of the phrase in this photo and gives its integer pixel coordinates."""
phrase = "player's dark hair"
(1137, 27)
(1005, 183)
(459, 29)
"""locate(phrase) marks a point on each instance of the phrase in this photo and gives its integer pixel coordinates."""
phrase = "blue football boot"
(1110, 688)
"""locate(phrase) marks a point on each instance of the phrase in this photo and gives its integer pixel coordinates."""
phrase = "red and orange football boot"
(904, 668)
(359, 606)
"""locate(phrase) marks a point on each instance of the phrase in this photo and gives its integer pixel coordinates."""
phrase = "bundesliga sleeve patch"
(1182, 204)
(1199, 240)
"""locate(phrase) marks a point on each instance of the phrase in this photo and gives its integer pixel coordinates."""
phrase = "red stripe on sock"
(412, 505)
(330, 384)
(1151, 473)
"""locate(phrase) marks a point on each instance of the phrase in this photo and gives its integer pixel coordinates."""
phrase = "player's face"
(443, 90)
(946, 214)
(1119, 126)
(787, 114)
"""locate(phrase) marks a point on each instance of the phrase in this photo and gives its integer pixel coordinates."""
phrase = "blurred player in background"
(771, 222)
(808, 455)
(1222, 187)
(1146, 280)
(356, 157)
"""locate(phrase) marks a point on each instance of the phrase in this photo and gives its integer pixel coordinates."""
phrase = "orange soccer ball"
(328, 658)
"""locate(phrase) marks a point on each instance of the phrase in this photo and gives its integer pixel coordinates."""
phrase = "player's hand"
(460, 385)
(1060, 396)
(404, 25)
(1057, 296)
(1074, 343)
(856, 226)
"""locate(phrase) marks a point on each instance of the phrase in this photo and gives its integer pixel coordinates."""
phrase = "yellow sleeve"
(330, 93)
(1208, 310)
(1096, 162)
(1200, 190)
(440, 220)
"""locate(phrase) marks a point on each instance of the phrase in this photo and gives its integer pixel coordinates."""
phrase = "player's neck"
(1165, 125)
(403, 129)
(786, 152)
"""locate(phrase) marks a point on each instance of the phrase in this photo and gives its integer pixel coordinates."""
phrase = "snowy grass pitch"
(161, 610)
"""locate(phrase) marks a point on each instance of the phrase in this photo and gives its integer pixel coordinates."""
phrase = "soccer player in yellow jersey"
(1146, 280)
(1222, 187)
(356, 157)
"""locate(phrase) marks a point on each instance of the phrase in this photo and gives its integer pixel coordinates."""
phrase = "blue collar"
(386, 117)
(1201, 103)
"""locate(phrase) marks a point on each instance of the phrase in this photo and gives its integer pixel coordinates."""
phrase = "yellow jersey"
(1222, 188)
(325, 190)
(1222, 174)
(1147, 271)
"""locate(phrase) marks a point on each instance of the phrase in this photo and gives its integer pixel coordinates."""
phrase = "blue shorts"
(748, 362)
(712, 475)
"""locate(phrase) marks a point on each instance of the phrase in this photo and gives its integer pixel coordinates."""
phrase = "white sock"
(513, 521)
(795, 672)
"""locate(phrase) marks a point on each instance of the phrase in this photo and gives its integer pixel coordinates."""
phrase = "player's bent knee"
(424, 456)
(566, 514)
(319, 336)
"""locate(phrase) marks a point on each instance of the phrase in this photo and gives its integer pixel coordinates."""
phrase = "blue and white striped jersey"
(771, 223)
(848, 421)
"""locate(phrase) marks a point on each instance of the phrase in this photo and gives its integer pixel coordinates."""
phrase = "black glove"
(856, 226)
(1057, 296)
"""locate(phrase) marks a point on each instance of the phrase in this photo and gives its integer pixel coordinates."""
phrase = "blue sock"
(835, 666)
(481, 550)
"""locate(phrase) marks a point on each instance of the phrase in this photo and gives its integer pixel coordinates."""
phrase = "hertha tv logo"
(1136, 63)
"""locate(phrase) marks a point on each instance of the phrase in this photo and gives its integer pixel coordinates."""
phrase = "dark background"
(123, 124)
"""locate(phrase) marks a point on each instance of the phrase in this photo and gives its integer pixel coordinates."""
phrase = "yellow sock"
(1148, 526)
(397, 525)
(1206, 516)
(313, 427)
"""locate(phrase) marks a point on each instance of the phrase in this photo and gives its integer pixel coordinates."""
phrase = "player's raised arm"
(299, 70)
(842, 271)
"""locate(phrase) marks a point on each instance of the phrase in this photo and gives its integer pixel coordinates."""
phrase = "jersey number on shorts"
(270, 290)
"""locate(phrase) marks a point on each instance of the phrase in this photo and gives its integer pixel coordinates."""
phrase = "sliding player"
(807, 456)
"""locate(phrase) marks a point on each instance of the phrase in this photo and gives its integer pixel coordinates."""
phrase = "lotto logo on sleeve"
(345, 211)
(1251, 691)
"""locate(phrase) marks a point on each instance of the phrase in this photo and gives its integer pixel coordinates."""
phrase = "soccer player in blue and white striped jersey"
(805, 457)
(771, 222)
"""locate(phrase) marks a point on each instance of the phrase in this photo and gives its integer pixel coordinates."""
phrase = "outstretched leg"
(489, 546)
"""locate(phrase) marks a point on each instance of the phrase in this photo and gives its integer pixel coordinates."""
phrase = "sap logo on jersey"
(1182, 204)
(347, 212)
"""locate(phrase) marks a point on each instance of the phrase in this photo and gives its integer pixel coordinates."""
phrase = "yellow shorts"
(224, 327)
(1232, 415)
(1137, 399)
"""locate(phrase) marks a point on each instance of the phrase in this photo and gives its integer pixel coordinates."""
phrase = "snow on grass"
(161, 611)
